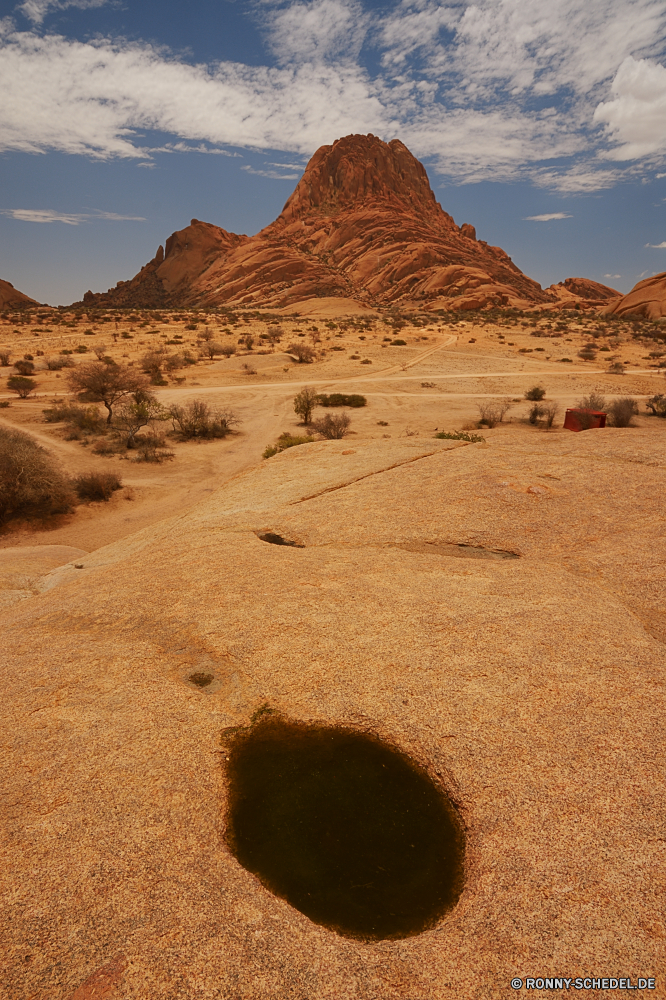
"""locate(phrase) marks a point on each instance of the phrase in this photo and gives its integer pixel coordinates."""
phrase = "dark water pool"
(347, 829)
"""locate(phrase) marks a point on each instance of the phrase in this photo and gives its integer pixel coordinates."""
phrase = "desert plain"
(530, 688)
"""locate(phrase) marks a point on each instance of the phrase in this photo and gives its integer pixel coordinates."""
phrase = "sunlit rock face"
(363, 223)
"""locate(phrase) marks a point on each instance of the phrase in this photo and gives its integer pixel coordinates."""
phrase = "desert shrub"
(333, 426)
(593, 401)
(57, 363)
(304, 355)
(398, 343)
(550, 411)
(536, 393)
(98, 382)
(305, 402)
(616, 368)
(21, 385)
(4, 358)
(136, 412)
(454, 435)
(196, 419)
(97, 485)
(657, 404)
(535, 412)
(342, 399)
(274, 332)
(211, 348)
(24, 367)
(4, 404)
(84, 418)
(228, 350)
(150, 448)
(621, 411)
(286, 440)
(493, 413)
(31, 484)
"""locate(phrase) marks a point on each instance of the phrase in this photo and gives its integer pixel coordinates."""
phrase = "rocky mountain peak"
(360, 171)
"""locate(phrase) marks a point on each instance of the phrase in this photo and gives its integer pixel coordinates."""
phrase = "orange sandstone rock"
(11, 298)
(363, 223)
(647, 298)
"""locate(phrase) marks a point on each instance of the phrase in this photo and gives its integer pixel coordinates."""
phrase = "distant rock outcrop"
(647, 298)
(11, 298)
(363, 223)
(582, 292)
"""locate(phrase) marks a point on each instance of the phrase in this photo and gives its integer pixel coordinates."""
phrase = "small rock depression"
(274, 539)
(347, 829)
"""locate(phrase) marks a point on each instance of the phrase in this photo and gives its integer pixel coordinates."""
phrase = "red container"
(577, 419)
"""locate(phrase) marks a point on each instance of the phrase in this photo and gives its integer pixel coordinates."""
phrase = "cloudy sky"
(541, 122)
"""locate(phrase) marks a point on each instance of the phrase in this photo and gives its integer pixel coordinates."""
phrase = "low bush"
(493, 413)
(31, 484)
(21, 385)
(24, 367)
(83, 418)
(621, 412)
(4, 404)
(286, 440)
(4, 358)
(304, 355)
(332, 426)
(536, 393)
(97, 485)
(59, 362)
(398, 343)
(593, 401)
(197, 420)
(458, 436)
(657, 405)
(341, 399)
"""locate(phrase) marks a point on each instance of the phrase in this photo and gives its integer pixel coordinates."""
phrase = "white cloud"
(548, 217)
(612, 275)
(657, 246)
(317, 31)
(636, 116)
(36, 10)
(462, 84)
(68, 218)
(271, 173)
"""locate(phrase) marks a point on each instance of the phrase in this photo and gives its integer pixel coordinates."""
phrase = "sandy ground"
(531, 689)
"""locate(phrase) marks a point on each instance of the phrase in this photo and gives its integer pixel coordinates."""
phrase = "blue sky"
(541, 122)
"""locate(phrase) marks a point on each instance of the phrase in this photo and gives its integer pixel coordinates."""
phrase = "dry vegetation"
(148, 386)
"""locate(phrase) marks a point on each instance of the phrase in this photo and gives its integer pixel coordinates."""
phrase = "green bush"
(286, 440)
(21, 385)
(31, 484)
(536, 393)
(341, 399)
(398, 343)
(458, 436)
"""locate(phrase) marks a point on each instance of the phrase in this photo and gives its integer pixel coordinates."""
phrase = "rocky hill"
(363, 223)
(647, 298)
(582, 291)
(11, 298)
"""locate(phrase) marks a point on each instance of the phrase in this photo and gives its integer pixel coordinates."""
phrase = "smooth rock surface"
(530, 688)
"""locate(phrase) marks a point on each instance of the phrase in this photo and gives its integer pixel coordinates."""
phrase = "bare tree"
(493, 413)
(99, 382)
(209, 348)
(304, 403)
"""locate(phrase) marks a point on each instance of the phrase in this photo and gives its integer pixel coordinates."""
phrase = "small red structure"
(577, 419)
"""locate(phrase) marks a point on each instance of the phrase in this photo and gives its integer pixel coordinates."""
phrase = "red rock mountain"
(362, 224)
(583, 290)
(647, 298)
(11, 298)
